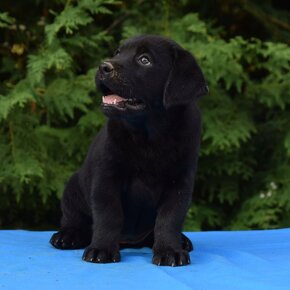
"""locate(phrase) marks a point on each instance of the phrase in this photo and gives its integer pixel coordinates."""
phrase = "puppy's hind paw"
(186, 243)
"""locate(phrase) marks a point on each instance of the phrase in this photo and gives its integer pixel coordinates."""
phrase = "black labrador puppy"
(135, 185)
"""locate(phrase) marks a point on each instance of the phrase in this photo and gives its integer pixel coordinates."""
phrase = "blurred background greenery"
(49, 108)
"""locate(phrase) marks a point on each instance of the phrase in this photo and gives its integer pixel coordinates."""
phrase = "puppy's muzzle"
(106, 70)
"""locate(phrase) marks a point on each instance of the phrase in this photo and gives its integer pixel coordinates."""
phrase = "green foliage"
(5, 20)
(49, 110)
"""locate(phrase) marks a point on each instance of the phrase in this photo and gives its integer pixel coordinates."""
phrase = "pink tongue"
(112, 99)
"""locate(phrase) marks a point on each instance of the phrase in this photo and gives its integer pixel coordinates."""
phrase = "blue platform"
(220, 261)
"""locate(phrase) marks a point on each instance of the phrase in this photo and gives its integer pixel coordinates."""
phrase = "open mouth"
(122, 103)
(111, 99)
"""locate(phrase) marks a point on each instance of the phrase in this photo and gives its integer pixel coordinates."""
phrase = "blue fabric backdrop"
(221, 260)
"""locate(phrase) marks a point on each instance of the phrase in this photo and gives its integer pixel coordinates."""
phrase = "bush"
(49, 110)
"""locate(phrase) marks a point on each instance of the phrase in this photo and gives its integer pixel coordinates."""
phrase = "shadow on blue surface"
(221, 260)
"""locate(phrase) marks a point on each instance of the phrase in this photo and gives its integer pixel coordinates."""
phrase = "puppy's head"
(148, 73)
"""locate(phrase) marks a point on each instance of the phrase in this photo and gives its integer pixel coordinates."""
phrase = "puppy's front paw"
(171, 257)
(95, 255)
(67, 239)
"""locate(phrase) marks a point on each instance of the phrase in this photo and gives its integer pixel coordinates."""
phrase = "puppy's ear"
(185, 81)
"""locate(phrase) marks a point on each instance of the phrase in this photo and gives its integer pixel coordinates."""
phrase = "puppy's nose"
(106, 69)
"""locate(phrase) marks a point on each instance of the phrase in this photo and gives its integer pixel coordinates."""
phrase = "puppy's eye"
(144, 60)
(117, 51)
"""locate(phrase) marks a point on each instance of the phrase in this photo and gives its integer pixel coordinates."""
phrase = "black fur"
(135, 185)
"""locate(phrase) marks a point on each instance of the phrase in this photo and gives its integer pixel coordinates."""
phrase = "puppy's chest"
(152, 159)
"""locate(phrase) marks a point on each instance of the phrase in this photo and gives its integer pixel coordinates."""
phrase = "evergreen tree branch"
(122, 18)
(11, 135)
(265, 18)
